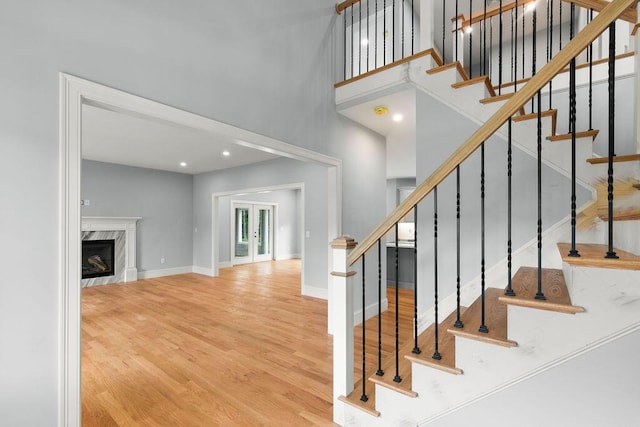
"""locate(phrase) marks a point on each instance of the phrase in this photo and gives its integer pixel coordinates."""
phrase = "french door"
(252, 227)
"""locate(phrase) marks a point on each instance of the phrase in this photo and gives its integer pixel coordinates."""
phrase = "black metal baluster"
(547, 31)
(444, 61)
(375, 41)
(612, 96)
(458, 323)
(456, 33)
(511, 51)
(551, 52)
(515, 50)
(436, 353)
(483, 327)
(484, 40)
(534, 20)
(368, 40)
(344, 17)
(402, 29)
(560, 29)
(572, 14)
(379, 372)
(393, 30)
(384, 32)
(470, 40)
(412, 27)
(416, 349)
(397, 377)
(590, 51)
(572, 126)
(509, 291)
(490, 48)
(500, 52)
(352, 46)
(364, 396)
(539, 293)
(523, 37)
(360, 37)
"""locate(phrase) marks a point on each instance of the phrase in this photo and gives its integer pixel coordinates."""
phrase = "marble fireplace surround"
(128, 225)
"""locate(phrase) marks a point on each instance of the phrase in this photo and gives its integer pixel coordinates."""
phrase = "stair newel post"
(416, 349)
(364, 396)
(500, 51)
(458, 323)
(539, 293)
(436, 352)
(379, 371)
(509, 291)
(342, 283)
(572, 126)
(612, 97)
(483, 327)
(397, 377)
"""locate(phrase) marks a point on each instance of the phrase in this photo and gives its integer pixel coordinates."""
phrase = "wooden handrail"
(600, 23)
(345, 4)
(491, 12)
(630, 15)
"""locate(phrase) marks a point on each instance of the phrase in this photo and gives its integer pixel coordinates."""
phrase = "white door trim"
(74, 92)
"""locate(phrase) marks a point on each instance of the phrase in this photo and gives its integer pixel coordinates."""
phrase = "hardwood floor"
(241, 349)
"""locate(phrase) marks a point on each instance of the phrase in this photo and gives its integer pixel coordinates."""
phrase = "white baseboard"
(225, 264)
(202, 270)
(312, 291)
(372, 310)
(151, 274)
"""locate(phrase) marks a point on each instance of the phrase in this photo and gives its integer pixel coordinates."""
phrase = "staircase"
(489, 343)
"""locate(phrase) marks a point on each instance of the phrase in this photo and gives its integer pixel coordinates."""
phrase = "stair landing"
(495, 320)
(525, 286)
(592, 255)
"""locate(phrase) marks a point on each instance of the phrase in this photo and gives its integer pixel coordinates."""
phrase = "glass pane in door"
(263, 231)
(242, 232)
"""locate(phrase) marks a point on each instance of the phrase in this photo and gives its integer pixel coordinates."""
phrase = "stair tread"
(481, 79)
(448, 66)
(616, 159)
(553, 113)
(567, 136)
(592, 255)
(403, 386)
(354, 399)
(554, 287)
(495, 320)
(446, 347)
(626, 215)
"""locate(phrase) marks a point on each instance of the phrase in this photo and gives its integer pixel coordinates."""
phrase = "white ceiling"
(115, 137)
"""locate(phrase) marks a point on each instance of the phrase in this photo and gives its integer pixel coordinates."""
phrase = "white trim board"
(74, 92)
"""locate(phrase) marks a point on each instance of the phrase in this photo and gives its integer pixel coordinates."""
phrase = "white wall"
(268, 67)
(163, 199)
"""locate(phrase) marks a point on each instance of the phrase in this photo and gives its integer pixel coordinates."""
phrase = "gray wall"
(268, 67)
(574, 393)
(270, 173)
(289, 232)
(436, 141)
(163, 199)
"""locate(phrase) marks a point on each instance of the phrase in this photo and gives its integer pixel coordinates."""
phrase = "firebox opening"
(98, 259)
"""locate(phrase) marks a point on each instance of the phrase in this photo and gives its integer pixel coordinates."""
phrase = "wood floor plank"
(241, 349)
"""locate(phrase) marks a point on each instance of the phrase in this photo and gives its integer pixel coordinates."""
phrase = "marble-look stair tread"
(593, 255)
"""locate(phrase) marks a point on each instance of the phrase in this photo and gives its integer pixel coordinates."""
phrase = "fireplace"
(98, 258)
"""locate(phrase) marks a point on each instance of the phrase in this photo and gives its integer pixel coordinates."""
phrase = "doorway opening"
(253, 232)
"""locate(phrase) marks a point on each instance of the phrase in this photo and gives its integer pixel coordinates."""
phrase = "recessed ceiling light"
(226, 153)
(380, 110)
(364, 42)
(397, 117)
(183, 164)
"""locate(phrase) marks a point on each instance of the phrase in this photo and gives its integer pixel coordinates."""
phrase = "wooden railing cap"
(343, 242)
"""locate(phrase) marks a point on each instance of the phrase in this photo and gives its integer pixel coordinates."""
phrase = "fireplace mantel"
(126, 224)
